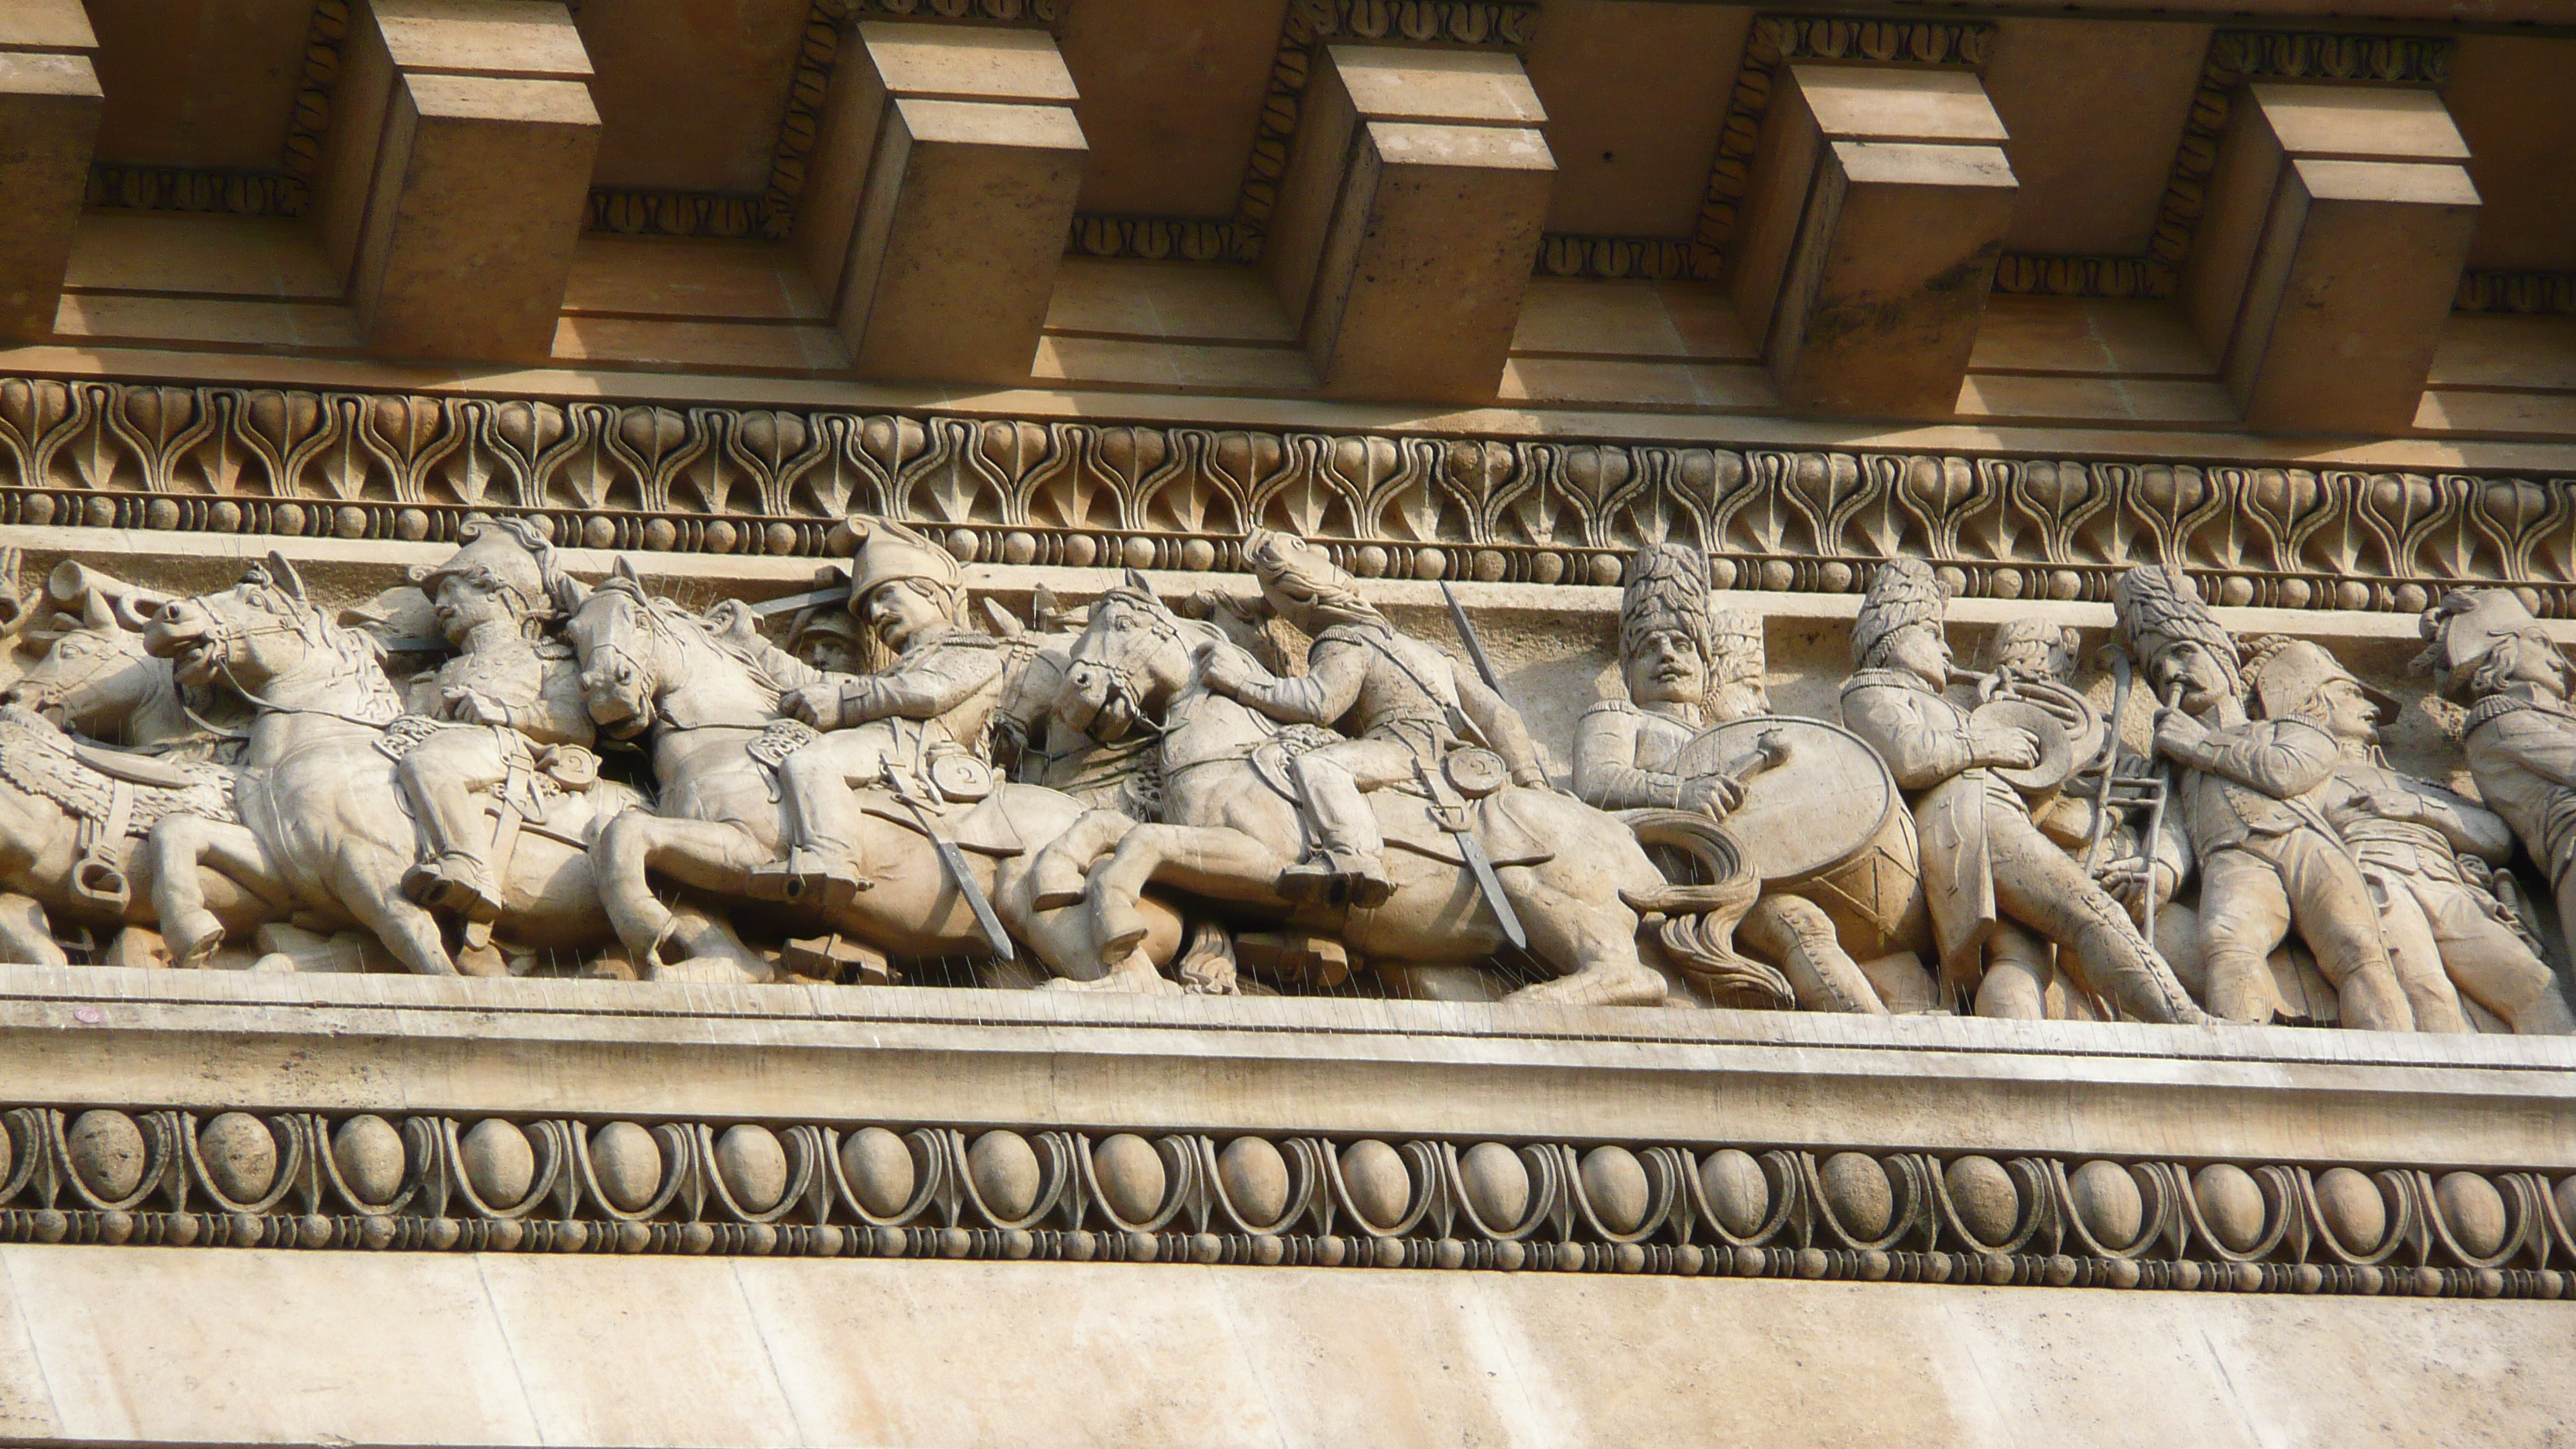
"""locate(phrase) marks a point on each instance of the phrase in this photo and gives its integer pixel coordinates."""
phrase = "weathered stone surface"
(1490, 1352)
(1857, 1189)
(753, 1165)
(499, 1162)
(1378, 1184)
(240, 1155)
(1131, 1175)
(2230, 1203)
(879, 1165)
(106, 1150)
(1255, 1176)
(1005, 1172)
(369, 1154)
(2108, 1201)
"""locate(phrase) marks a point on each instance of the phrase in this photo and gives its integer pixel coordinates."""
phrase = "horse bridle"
(223, 634)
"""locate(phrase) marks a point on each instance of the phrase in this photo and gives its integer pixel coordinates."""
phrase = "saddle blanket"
(43, 761)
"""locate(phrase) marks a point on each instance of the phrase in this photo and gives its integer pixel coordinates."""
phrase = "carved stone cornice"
(1481, 24)
(2540, 293)
(2235, 57)
(716, 480)
(112, 1175)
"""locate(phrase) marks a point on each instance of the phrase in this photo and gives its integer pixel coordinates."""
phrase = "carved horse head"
(265, 641)
(1133, 660)
(647, 662)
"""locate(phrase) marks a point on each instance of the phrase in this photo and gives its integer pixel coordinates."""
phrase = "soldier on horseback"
(939, 699)
(1402, 704)
(482, 729)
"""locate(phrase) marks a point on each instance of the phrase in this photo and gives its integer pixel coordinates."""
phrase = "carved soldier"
(1688, 666)
(2022, 980)
(2491, 655)
(1402, 704)
(2425, 852)
(938, 698)
(508, 707)
(1984, 862)
(825, 637)
(2246, 803)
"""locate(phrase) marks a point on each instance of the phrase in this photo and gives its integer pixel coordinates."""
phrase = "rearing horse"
(706, 689)
(1229, 831)
(324, 832)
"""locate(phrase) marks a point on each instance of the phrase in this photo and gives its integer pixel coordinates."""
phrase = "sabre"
(1472, 851)
(954, 861)
(836, 595)
(1467, 635)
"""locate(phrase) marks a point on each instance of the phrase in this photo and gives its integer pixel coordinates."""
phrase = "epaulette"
(1614, 704)
(1886, 679)
(2497, 706)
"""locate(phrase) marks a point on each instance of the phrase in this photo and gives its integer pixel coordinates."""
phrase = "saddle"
(1406, 815)
(110, 796)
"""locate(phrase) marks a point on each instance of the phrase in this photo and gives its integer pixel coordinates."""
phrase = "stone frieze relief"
(1280, 794)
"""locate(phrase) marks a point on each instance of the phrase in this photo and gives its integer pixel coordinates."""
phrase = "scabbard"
(954, 861)
(1482, 867)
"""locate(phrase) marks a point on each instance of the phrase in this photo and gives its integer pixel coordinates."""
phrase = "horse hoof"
(193, 942)
(483, 960)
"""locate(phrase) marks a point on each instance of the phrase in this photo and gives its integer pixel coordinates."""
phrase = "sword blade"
(954, 862)
(1482, 867)
(792, 602)
(1466, 628)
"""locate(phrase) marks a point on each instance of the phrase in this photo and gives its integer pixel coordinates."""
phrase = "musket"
(954, 862)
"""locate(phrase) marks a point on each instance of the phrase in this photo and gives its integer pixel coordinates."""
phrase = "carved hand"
(1718, 795)
(2013, 749)
(2393, 804)
(1530, 777)
(2129, 878)
(1221, 666)
(818, 705)
(475, 707)
(2179, 735)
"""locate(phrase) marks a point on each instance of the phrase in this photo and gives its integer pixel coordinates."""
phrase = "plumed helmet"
(2157, 608)
(888, 551)
(2289, 674)
(1667, 589)
(2055, 644)
(1740, 652)
(1291, 565)
(2467, 629)
(514, 552)
(1903, 592)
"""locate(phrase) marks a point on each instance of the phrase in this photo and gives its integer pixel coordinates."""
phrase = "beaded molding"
(170, 1177)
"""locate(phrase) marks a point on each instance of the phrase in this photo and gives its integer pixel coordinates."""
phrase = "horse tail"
(1694, 922)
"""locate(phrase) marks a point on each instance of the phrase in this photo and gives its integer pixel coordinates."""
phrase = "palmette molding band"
(765, 482)
(113, 1176)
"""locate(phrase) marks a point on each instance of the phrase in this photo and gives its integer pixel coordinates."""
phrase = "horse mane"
(358, 657)
(728, 628)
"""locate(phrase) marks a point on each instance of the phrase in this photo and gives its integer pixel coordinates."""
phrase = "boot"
(454, 880)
